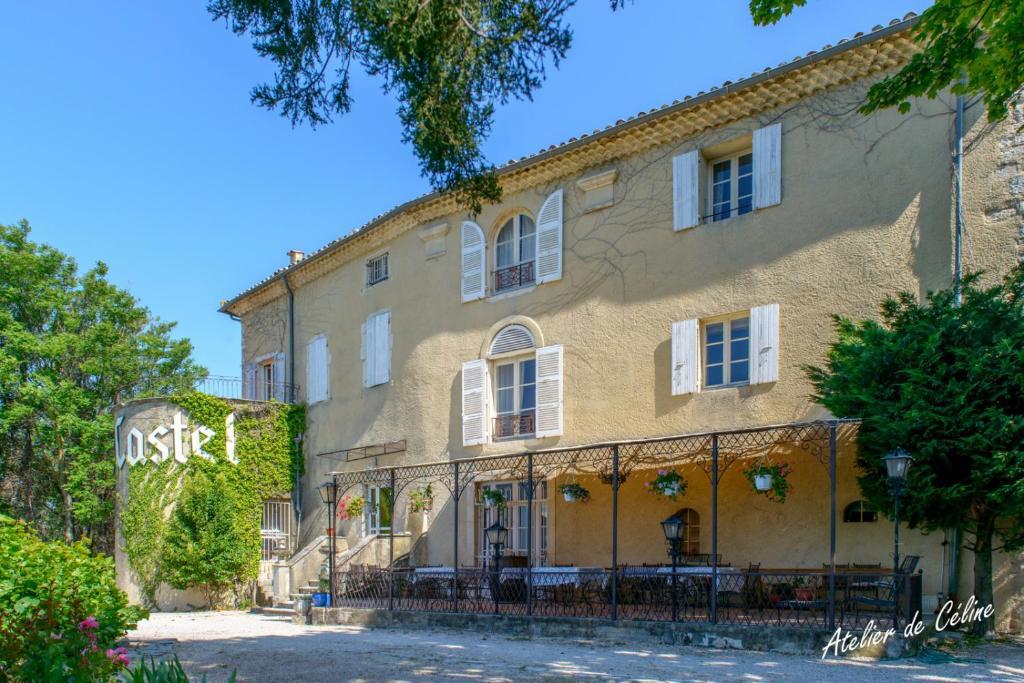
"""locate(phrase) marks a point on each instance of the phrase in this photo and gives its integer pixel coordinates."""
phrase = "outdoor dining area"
(688, 584)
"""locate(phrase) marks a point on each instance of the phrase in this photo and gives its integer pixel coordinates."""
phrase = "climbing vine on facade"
(268, 460)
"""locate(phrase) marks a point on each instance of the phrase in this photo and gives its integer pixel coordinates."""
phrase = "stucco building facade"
(670, 274)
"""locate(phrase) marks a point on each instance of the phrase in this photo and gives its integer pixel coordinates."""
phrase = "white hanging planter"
(763, 482)
(671, 489)
(569, 497)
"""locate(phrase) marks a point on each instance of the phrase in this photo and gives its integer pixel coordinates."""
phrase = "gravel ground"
(266, 648)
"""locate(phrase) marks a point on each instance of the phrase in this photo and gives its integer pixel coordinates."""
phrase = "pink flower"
(88, 623)
(662, 473)
(118, 656)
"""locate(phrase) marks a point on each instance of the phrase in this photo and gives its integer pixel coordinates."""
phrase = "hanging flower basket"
(421, 500)
(351, 507)
(492, 498)
(769, 480)
(668, 484)
(574, 493)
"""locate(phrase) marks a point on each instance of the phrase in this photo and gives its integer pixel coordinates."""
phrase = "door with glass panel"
(513, 516)
(378, 509)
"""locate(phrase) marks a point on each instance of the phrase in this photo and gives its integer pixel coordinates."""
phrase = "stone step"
(276, 611)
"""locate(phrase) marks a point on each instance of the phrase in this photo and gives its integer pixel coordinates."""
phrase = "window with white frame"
(515, 253)
(730, 186)
(267, 380)
(513, 516)
(376, 269)
(727, 352)
(515, 397)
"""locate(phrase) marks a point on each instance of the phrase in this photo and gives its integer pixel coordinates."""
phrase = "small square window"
(376, 269)
(727, 352)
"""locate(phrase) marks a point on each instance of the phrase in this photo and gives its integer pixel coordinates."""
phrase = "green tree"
(448, 63)
(203, 547)
(982, 40)
(71, 347)
(946, 382)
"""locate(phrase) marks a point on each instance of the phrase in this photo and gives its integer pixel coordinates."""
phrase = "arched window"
(691, 530)
(859, 511)
(515, 382)
(515, 253)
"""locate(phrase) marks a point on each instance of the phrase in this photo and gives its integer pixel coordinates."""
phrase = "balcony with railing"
(515, 424)
(247, 389)
(513, 277)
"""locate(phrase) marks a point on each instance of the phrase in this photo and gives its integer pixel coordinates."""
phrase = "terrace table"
(556, 576)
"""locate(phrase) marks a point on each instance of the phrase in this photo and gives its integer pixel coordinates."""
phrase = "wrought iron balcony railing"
(239, 388)
(515, 276)
(519, 424)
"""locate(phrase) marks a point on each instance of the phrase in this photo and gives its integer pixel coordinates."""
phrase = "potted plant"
(322, 598)
(422, 499)
(351, 507)
(802, 591)
(492, 498)
(574, 493)
(769, 480)
(668, 484)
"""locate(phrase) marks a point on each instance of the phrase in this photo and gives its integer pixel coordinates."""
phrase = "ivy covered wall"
(268, 459)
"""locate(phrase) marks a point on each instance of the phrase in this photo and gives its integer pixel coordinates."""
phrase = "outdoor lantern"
(324, 490)
(673, 528)
(897, 463)
(496, 535)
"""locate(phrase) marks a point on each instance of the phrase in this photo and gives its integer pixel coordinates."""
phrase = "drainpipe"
(297, 493)
(954, 546)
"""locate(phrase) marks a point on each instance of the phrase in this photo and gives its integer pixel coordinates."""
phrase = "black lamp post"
(496, 536)
(329, 495)
(673, 528)
(897, 463)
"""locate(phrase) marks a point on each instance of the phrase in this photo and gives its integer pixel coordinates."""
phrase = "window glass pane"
(527, 249)
(739, 349)
(714, 353)
(739, 372)
(505, 245)
(528, 371)
(507, 400)
(528, 397)
(721, 171)
(506, 375)
(714, 376)
(746, 165)
(745, 204)
(740, 327)
(715, 332)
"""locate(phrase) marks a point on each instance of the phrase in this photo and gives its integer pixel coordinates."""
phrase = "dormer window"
(515, 253)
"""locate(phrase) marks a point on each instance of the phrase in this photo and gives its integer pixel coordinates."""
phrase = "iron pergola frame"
(713, 452)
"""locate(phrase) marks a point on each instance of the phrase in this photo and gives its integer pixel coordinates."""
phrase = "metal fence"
(254, 390)
(799, 599)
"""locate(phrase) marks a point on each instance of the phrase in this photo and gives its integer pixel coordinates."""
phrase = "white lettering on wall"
(182, 437)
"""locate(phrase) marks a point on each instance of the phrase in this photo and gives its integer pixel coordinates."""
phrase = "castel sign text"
(185, 441)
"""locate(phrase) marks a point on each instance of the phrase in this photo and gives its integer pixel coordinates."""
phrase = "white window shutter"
(686, 190)
(278, 390)
(549, 239)
(317, 370)
(382, 348)
(366, 352)
(249, 381)
(767, 166)
(685, 357)
(474, 402)
(764, 344)
(474, 262)
(549, 391)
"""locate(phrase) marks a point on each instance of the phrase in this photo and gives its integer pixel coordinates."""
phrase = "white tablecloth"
(556, 576)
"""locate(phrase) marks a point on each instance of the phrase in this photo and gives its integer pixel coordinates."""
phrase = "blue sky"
(127, 135)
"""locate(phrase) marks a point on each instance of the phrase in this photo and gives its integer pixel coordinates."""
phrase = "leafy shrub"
(161, 672)
(61, 612)
(204, 547)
